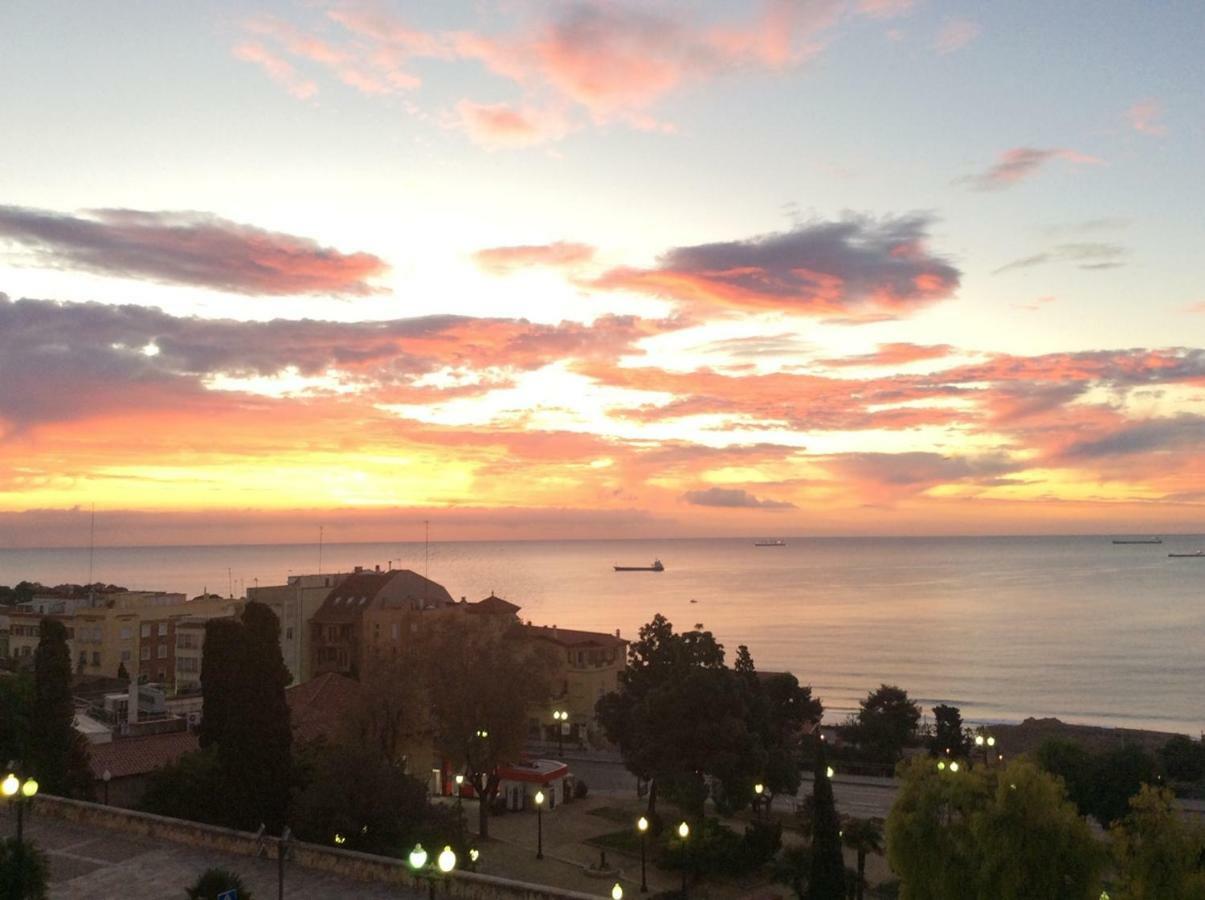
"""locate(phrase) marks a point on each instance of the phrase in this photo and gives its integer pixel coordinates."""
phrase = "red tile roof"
(124, 757)
(567, 637)
(316, 707)
(492, 605)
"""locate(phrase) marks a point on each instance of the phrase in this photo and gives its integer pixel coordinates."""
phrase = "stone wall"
(341, 863)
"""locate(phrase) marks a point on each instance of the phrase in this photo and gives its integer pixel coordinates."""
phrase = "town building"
(368, 611)
(295, 602)
(589, 665)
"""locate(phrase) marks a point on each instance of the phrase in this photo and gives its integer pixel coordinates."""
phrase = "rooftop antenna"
(319, 549)
(91, 554)
(230, 580)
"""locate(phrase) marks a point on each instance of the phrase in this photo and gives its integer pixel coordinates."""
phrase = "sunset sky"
(599, 269)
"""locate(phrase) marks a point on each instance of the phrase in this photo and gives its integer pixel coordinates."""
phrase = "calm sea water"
(1004, 627)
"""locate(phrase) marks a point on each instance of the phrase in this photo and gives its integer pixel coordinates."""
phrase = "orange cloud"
(505, 260)
(499, 125)
(856, 269)
(277, 68)
(1019, 163)
(189, 248)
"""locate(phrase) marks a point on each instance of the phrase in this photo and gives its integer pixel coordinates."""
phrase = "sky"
(595, 268)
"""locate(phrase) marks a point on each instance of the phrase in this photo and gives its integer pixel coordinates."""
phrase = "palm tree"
(863, 836)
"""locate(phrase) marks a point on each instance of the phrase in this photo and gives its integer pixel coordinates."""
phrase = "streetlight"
(561, 717)
(539, 798)
(758, 790)
(282, 851)
(684, 833)
(642, 825)
(443, 865)
(10, 788)
(106, 778)
(617, 891)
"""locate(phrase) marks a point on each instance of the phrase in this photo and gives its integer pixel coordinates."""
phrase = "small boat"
(1140, 541)
(1200, 554)
(776, 543)
(655, 567)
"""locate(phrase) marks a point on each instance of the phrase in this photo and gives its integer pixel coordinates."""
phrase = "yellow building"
(590, 665)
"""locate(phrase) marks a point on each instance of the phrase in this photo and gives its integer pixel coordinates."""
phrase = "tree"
(1159, 855)
(885, 723)
(827, 878)
(216, 881)
(391, 706)
(1102, 784)
(780, 712)
(16, 703)
(24, 871)
(481, 682)
(658, 657)
(1183, 759)
(255, 751)
(863, 836)
(190, 788)
(949, 737)
(792, 868)
(222, 665)
(1073, 764)
(58, 752)
(353, 791)
(989, 833)
(122, 672)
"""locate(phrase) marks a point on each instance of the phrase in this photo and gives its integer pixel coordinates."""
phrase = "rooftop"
(125, 757)
(317, 706)
(568, 637)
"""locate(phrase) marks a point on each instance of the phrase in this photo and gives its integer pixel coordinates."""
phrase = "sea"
(1073, 627)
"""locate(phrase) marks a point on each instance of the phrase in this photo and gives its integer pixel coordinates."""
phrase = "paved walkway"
(92, 863)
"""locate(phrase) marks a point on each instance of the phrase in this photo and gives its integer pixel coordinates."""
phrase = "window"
(162, 629)
(162, 651)
(83, 657)
(96, 657)
(162, 675)
(145, 654)
(125, 656)
(145, 631)
(397, 631)
(187, 664)
(126, 632)
(289, 633)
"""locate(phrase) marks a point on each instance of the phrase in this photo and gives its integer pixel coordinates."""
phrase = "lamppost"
(106, 778)
(759, 790)
(985, 744)
(282, 851)
(617, 891)
(539, 799)
(444, 864)
(683, 834)
(459, 807)
(642, 825)
(561, 717)
(10, 788)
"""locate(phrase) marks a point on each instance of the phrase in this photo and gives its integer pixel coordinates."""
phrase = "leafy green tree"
(24, 871)
(16, 703)
(1069, 761)
(886, 723)
(949, 737)
(59, 754)
(989, 833)
(1101, 784)
(827, 878)
(222, 667)
(1159, 855)
(481, 682)
(255, 752)
(190, 788)
(780, 711)
(863, 836)
(356, 792)
(215, 881)
(1183, 759)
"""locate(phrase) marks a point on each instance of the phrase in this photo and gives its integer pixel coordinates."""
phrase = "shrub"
(23, 871)
(580, 790)
(715, 849)
(214, 881)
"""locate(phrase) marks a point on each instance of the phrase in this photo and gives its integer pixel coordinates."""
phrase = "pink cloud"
(1019, 163)
(278, 69)
(1198, 308)
(1146, 117)
(885, 9)
(956, 34)
(504, 260)
(499, 125)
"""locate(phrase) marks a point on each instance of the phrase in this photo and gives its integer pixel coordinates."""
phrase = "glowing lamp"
(684, 831)
(446, 860)
(10, 785)
(941, 765)
(474, 854)
(418, 857)
(978, 740)
(539, 798)
(29, 788)
(459, 780)
(953, 767)
(830, 771)
(642, 824)
(617, 892)
(340, 840)
(991, 742)
(759, 788)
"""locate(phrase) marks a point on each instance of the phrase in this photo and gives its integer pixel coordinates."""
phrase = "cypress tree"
(827, 881)
(221, 673)
(59, 753)
(255, 748)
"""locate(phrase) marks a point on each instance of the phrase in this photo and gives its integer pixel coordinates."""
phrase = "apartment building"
(295, 602)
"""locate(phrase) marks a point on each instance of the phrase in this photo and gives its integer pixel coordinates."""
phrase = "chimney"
(617, 632)
(359, 569)
(378, 567)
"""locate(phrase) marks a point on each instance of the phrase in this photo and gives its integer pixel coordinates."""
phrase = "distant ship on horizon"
(655, 567)
(1153, 540)
(778, 542)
